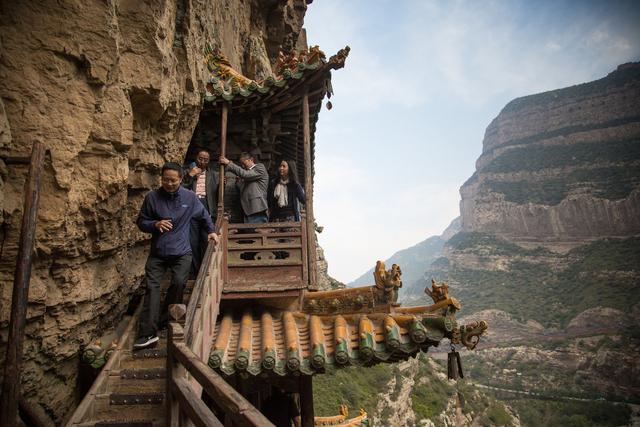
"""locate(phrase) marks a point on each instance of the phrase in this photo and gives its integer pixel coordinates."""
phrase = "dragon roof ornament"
(226, 82)
(352, 326)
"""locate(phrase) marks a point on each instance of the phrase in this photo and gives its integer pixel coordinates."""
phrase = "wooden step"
(141, 374)
(126, 424)
(157, 352)
(104, 412)
(128, 361)
(136, 398)
(116, 384)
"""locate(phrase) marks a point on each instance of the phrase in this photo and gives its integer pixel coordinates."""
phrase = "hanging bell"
(454, 368)
(459, 363)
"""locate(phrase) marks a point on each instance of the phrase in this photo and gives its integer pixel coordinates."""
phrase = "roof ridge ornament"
(227, 82)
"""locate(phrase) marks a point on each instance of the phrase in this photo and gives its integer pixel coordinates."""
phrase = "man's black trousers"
(155, 269)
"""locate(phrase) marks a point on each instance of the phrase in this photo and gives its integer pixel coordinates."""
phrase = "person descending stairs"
(130, 390)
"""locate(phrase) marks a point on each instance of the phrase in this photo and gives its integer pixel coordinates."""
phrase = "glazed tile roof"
(362, 420)
(227, 84)
(260, 340)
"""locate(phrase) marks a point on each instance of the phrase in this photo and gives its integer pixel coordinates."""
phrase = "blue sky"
(422, 82)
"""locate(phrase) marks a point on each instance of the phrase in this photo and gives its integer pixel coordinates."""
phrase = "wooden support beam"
(306, 400)
(223, 152)
(20, 298)
(308, 188)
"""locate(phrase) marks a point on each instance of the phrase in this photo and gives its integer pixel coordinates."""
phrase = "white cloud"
(424, 57)
(368, 215)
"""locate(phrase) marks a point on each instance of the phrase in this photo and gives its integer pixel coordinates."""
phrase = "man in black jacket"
(202, 179)
(166, 213)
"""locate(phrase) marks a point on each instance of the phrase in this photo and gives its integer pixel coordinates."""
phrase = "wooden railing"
(204, 303)
(20, 295)
(184, 405)
(266, 257)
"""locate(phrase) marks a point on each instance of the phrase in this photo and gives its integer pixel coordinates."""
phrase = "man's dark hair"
(245, 155)
(173, 167)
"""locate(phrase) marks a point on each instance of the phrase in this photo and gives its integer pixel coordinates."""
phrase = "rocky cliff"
(548, 254)
(113, 90)
(561, 166)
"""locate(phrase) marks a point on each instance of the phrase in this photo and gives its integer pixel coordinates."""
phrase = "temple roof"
(307, 66)
(266, 115)
(260, 340)
(361, 420)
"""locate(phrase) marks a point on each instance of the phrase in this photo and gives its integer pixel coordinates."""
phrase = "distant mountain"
(561, 167)
(414, 261)
(546, 250)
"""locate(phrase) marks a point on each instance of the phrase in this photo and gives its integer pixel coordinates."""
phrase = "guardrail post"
(175, 333)
(306, 400)
(20, 298)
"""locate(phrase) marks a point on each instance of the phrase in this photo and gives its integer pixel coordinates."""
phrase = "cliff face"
(112, 89)
(561, 166)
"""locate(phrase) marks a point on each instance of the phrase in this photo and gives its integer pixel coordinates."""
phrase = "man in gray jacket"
(253, 184)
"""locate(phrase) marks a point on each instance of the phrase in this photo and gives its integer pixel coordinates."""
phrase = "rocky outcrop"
(113, 90)
(562, 165)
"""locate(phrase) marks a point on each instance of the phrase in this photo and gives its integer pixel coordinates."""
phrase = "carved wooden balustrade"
(267, 257)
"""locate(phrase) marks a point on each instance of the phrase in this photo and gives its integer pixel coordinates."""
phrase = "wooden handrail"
(233, 404)
(290, 224)
(20, 296)
(196, 293)
(192, 405)
(124, 342)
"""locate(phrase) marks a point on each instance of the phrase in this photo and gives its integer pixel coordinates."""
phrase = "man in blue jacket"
(166, 214)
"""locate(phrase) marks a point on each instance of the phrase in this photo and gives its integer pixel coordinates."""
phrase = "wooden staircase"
(130, 390)
(162, 385)
(134, 393)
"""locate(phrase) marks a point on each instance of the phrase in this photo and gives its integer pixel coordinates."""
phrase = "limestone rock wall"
(113, 90)
(562, 165)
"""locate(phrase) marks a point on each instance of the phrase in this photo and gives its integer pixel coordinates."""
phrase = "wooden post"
(306, 400)
(28, 415)
(308, 188)
(223, 152)
(175, 333)
(20, 298)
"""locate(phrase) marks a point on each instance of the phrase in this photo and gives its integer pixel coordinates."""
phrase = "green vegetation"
(359, 388)
(530, 289)
(356, 387)
(612, 183)
(489, 243)
(495, 415)
(541, 413)
(538, 157)
(430, 393)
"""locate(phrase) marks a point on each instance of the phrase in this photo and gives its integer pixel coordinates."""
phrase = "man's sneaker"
(144, 342)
